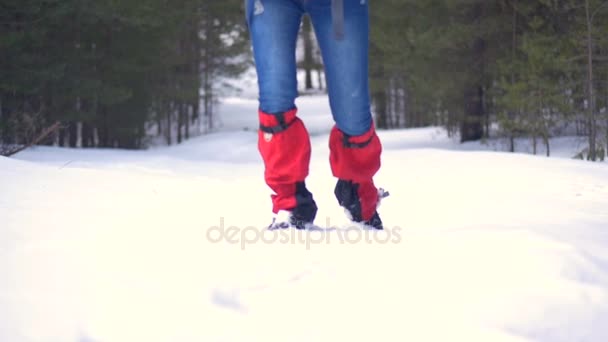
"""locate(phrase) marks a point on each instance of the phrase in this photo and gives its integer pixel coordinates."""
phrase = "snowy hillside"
(124, 246)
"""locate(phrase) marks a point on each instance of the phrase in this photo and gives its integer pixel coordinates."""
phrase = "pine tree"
(109, 70)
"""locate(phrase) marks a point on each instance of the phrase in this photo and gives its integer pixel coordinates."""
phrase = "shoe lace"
(382, 194)
(282, 219)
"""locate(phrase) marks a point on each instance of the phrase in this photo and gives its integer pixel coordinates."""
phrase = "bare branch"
(48, 131)
(597, 10)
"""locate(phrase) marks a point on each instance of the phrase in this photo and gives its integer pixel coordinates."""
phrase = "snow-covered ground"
(169, 245)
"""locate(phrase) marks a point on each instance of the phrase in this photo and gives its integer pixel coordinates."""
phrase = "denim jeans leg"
(274, 26)
(346, 63)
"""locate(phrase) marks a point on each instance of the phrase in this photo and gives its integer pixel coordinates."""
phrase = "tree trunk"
(62, 134)
(380, 100)
(87, 135)
(1, 112)
(180, 118)
(308, 63)
(72, 134)
(471, 128)
(197, 115)
(104, 132)
(169, 124)
(187, 122)
(511, 114)
(45, 133)
(208, 110)
(590, 91)
(159, 120)
(320, 78)
(390, 110)
(207, 88)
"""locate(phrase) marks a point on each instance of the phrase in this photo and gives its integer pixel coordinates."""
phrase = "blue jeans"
(274, 26)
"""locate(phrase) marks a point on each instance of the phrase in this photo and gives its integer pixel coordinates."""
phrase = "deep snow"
(112, 246)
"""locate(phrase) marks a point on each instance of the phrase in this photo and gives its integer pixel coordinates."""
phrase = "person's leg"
(355, 147)
(274, 26)
(346, 63)
(283, 141)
